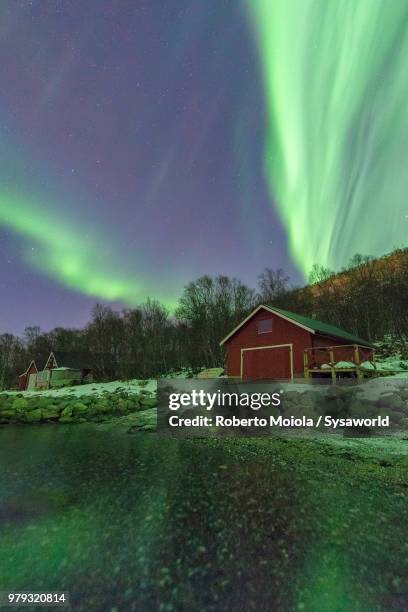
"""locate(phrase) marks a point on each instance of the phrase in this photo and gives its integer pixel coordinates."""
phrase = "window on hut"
(264, 326)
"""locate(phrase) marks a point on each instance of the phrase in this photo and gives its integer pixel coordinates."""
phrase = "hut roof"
(312, 325)
(71, 360)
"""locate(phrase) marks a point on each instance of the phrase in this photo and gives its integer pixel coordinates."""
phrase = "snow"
(393, 363)
(129, 386)
(345, 364)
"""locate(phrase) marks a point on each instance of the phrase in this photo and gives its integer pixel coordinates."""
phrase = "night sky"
(145, 143)
(132, 132)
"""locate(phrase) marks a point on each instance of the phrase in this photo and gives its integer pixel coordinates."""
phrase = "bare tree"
(272, 285)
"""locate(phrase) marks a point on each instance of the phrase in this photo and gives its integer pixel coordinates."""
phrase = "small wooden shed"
(272, 344)
(25, 376)
(63, 369)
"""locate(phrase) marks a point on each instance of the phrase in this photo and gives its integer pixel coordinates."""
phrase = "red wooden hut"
(272, 343)
(24, 377)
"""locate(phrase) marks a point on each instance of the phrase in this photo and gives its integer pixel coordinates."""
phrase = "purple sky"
(141, 120)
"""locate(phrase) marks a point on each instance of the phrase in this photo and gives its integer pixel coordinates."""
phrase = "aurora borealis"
(145, 144)
(336, 83)
(63, 254)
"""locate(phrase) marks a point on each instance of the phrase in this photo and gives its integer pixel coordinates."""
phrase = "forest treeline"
(369, 298)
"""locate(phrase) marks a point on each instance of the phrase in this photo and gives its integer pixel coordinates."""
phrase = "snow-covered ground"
(394, 363)
(390, 354)
(129, 386)
(373, 387)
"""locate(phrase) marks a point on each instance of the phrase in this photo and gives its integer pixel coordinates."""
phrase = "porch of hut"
(339, 361)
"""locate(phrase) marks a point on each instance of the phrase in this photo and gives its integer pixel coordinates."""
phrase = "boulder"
(102, 405)
(404, 407)
(8, 414)
(5, 402)
(32, 404)
(404, 393)
(336, 391)
(66, 419)
(20, 404)
(80, 408)
(359, 408)
(33, 416)
(396, 417)
(50, 414)
(148, 402)
(87, 400)
(291, 396)
(122, 406)
(311, 398)
(391, 401)
(42, 402)
(67, 412)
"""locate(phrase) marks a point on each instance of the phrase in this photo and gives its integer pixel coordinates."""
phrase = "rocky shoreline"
(66, 409)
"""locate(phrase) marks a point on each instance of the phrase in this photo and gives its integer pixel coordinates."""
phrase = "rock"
(87, 400)
(8, 414)
(313, 399)
(5, 403)
(145, 421)
(66, 419)
(33, 404)
(148, 402)
(56, 407)
(80, 408)
(391, 401)
(50, 414)
(33, 416)
(361, 409)
(292, 398)
(42, 402)
(20, 404)
(397, 417)
(404, 408)
(336, 391)
(122, 406)
(102, 406)
(404, 393)
(67, 412)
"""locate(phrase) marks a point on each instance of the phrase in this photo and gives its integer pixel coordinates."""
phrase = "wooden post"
(305, 364)
(333, 371)
(357, 361)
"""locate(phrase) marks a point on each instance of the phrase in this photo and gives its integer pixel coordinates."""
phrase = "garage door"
(267, 363)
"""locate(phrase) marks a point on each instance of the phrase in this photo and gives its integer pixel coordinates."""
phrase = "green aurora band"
(72, 256)
(336, 154)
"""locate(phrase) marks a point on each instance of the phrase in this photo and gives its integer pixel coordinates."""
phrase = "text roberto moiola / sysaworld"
(253, 401)
(277, 421)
